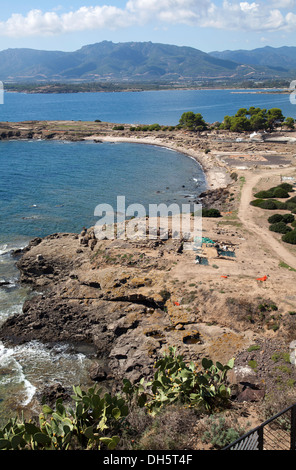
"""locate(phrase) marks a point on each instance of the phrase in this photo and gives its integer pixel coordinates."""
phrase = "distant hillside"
(282, 59)
(132, 62)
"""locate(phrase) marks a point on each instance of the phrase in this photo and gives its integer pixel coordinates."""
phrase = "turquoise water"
(48, 187)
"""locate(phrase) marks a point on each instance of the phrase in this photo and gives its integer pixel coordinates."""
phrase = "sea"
(50, 186)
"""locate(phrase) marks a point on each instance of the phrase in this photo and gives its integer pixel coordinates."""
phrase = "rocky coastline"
(124, 302)
(108, 298)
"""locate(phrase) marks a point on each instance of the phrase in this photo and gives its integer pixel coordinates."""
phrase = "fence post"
(293, 428)
(260, 438)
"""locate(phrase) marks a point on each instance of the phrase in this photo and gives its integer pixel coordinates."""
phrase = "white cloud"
(231, 15)
(248, 7)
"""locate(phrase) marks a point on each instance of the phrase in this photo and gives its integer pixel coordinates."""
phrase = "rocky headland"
(125, 301)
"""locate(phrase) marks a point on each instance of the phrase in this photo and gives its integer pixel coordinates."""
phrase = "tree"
(254, 119)
(226, 124)
(258, 120)
(240, 124)
(193, 122)
(289, 122)
(274, 116)
(241, 112)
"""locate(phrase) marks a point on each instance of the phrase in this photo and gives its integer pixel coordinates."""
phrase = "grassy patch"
(286, 266)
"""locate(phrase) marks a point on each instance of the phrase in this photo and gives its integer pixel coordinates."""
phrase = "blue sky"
(203, 24)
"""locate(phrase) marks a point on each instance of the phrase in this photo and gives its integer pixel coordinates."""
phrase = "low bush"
(256, 202)
(286, 186)
(292, 199)
(280, 227)
(290, 205)
(273, 219)
(264, 194)
(290, 237)
(175, 382)
(269, 204)
(279, 204)
(211, 213)
(280, 193)
(219, 433)
(288, 218)
(277, 191)
(293, 224)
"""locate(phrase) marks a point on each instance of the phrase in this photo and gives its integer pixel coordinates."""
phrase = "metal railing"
(277, 433)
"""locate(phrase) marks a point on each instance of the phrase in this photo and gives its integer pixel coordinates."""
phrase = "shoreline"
(219, 153)
(263, 90)
(216, 172)
(214, 179)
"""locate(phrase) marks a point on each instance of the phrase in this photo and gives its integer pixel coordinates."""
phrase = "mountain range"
(282, 58)
(144, 61)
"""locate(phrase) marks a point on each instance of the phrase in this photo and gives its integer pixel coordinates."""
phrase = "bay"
(47, 187)
(163, 107)
(55, 186)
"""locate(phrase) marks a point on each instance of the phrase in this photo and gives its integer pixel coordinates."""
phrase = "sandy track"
(246, 215)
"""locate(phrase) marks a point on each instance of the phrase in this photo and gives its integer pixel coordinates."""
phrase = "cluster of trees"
(252, 119)
(255, 119)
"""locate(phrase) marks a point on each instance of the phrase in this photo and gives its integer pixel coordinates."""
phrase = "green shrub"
(118, 128)
(256, 202)
(154, 127)
(273, 219)
(210, 213)
(293, 224)
(279, 204)
(288, 218)
(286, 186)
(264, 194)
(84, 425)
(219, 434)
(290, 237)
(98, 420)
(277, 191)
(280, 193)
(269, 204)
(290, 206)
(175, 382)
(280, 227)
(253, 347)
(292, 199)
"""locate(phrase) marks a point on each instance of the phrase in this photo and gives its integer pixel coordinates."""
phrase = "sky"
(208, 25)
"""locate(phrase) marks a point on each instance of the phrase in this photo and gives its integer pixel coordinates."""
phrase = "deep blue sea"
(48, 187)
(147, 107)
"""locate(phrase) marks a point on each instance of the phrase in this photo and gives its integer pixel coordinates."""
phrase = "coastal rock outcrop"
(115, 299)
(107, 295)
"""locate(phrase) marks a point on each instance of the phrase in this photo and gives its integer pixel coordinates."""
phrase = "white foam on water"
(17, 376)
(3, 249)
(42, 364)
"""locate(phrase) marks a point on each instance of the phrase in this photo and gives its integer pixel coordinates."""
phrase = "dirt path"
(246, 213)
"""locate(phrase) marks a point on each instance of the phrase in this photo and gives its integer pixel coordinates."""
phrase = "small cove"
(49, 187)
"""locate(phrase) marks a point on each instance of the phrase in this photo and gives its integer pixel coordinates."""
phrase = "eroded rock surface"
(115, 296)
